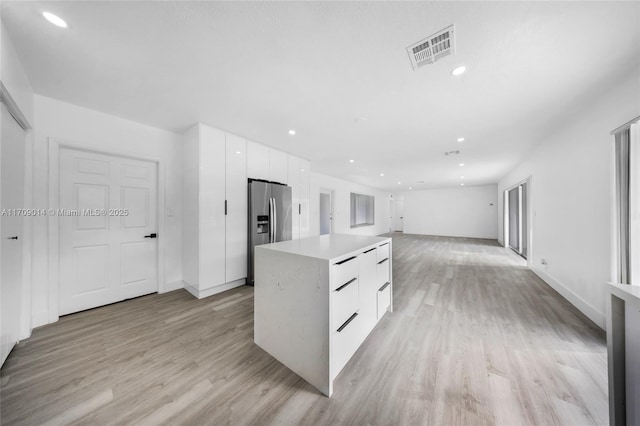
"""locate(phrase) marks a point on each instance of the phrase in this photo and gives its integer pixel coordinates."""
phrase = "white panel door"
(293, 179)
(278, 169)
(305, 197)
(257, 161)
(12, 197)
(212, 218)
(236, 209)
(107, 220)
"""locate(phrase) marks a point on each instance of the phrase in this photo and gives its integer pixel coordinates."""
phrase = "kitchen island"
(317, 299)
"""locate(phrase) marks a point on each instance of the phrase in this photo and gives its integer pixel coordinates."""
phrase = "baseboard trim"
(592, 313)
(39, 319)
(201, 294)
(172, 286)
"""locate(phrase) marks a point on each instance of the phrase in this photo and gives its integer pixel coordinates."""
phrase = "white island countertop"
(328, 247)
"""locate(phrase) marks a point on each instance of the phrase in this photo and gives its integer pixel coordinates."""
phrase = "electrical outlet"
(543, 261)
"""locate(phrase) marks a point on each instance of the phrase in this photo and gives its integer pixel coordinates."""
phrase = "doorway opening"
(516, 219)
(326, 215)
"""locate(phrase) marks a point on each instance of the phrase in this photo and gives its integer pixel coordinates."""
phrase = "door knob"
(154, 235)
(12, 238)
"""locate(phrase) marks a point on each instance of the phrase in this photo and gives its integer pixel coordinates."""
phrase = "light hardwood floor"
(476, 338)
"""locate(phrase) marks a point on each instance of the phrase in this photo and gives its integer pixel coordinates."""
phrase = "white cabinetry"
(214, 183)
(298, 180)
(305, 197)
(257, 161)
(293, 178)
(236, 208)
(278, 169)
(216, 167)
(212, 220)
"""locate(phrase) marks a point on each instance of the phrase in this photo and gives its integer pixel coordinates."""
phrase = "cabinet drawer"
(382, 272)
(383, 252)
(384, 299)
(345, 343)
(344, 271)
(344, 302)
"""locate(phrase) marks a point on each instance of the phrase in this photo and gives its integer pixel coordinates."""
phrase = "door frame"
(55, 144)
(529, 213)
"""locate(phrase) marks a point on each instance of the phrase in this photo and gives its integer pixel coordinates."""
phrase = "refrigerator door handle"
(271, 220)
(275, 222)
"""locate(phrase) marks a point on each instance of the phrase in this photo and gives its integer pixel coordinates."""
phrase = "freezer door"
(260, 225)
(283, 212)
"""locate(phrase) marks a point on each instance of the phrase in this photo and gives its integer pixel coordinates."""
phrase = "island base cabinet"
(317, 299)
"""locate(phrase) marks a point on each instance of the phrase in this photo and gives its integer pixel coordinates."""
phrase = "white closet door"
(294, 182)
(107, 218)
(236, 218)
(305, 197)
(12, 197)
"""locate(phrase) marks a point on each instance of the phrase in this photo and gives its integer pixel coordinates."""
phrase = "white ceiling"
(260, 69)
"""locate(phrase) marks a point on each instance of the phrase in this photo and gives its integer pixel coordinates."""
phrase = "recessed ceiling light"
(54, 19)
(381, 174)
(459, 70)
(410, 188)
(461, 164)
(292, 132)
(352, 161)
(302, 170)
(238, 152)
(462, 184)
(399, 183)
(461, 177)
(460, 139)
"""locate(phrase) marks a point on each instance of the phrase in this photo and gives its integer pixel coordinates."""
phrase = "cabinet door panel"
(293, 179)
(278, 169)
(257, 161)
(305, 200)
(236, 218)
(212, 220)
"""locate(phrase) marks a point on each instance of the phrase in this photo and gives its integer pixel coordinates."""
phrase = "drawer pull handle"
(345, 261)
(383, 260)
(370, 250)
(384, 286)
(346, 323)
(385, 244)
(344, 285)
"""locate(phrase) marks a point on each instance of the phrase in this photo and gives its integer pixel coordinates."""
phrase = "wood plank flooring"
(476, 338)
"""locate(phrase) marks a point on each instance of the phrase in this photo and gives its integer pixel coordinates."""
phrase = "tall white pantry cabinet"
(216, 169)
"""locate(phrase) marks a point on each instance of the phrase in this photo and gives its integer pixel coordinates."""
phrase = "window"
(362, 210)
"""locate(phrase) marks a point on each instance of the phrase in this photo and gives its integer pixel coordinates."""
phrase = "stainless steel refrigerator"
(269, 217)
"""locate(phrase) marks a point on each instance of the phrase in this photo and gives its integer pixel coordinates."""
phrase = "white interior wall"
(106, 133)
(571, 197)
(470, 211)
(341, 205)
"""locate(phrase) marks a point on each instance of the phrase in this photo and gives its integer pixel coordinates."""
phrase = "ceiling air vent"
(432, 48)
(456, 152)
